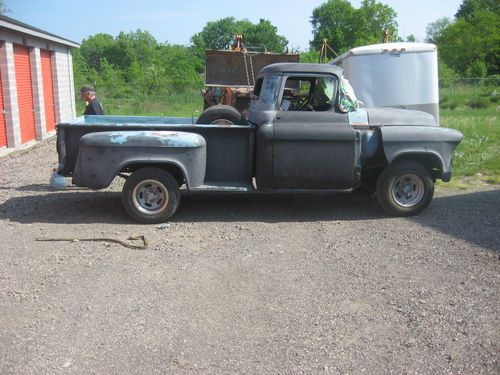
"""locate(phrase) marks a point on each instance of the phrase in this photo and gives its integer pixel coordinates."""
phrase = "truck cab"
(303, 140)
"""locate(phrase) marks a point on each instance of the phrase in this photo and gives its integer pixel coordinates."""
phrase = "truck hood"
(394, 116)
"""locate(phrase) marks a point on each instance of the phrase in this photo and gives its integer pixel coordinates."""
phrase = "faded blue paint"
(137, 120)
(119, 138)
(144, 122)
(141, 138)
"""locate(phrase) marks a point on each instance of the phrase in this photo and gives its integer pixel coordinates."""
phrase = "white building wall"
(9, 89)
(62, 75)
(38, 97)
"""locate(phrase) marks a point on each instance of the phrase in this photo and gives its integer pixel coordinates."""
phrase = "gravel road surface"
(288, 284)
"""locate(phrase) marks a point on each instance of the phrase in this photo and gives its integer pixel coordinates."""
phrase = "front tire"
(151, 195)
(405, 188)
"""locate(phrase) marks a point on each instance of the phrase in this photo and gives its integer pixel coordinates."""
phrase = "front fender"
(435, 142)
(101, 156)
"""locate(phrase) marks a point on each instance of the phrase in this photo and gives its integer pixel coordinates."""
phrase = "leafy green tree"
(310, 56)
(469, 7)
(263, 34)
(469, 40)
(375, 18)
(445, 72)
(476, 70)
(346, 27)
(215, 35)
(134, 64)
(435, 29)
(95, 48)
(334, 21)
(144, 45)
(411, 38)
(220, 34)
(179, 66)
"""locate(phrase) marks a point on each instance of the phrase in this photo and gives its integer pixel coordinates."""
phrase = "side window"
(309, 94)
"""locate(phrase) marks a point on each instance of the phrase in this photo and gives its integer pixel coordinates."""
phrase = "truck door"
(314, 146)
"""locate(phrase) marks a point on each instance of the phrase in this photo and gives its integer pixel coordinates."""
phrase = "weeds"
(479, 151)
(478, 103)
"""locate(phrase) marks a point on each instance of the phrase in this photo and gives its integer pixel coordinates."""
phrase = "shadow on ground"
(87, 207)
(473, 217)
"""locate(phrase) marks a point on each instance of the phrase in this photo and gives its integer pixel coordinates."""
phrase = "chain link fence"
(469, 92)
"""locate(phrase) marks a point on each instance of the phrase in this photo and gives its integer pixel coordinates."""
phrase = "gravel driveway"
(293, 283)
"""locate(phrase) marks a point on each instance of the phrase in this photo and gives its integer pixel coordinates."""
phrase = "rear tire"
(405, 188)
(221, 115)
(151, 195)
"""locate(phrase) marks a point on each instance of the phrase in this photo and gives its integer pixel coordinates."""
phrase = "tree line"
(136, 64)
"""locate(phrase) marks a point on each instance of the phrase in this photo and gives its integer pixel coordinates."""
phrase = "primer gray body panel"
(399, 117)
(437, 142)
(103, 155)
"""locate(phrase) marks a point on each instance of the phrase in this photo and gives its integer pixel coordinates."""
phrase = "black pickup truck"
(294, 140)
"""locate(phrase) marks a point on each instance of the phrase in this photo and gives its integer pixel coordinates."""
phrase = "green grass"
(479, 151)
(188, 104)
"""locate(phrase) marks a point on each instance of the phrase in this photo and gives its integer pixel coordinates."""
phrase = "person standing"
(94, 106)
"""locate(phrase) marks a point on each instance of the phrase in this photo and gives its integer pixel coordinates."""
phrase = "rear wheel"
(221, 115)
(151, 195)
(405, 188)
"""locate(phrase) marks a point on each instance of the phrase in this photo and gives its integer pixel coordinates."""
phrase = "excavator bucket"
(229, 68)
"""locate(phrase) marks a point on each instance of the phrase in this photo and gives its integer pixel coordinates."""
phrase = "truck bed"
(230, 148)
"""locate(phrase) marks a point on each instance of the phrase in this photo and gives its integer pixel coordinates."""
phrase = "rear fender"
(422, 143)
(101, 156)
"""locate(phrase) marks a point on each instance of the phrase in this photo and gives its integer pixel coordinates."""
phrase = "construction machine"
(230, 74)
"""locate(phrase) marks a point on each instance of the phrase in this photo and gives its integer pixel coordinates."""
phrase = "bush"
(492, 80)
(478, 103)
(447, 104)
(446, 74)
(476, 70)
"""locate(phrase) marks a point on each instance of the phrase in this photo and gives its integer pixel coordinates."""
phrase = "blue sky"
(176, 21)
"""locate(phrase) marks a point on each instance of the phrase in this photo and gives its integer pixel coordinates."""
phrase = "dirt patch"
(312, 283)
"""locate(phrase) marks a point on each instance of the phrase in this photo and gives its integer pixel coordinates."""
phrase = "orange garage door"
(3, 131)
(48, 90)
(24, 93)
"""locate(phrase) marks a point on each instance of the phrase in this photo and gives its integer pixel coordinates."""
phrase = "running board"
(239, 188)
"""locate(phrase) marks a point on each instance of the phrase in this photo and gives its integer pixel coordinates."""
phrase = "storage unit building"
(36, 89)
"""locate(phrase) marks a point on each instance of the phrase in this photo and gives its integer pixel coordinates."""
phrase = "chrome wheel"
(408, 190)
(150, 197)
